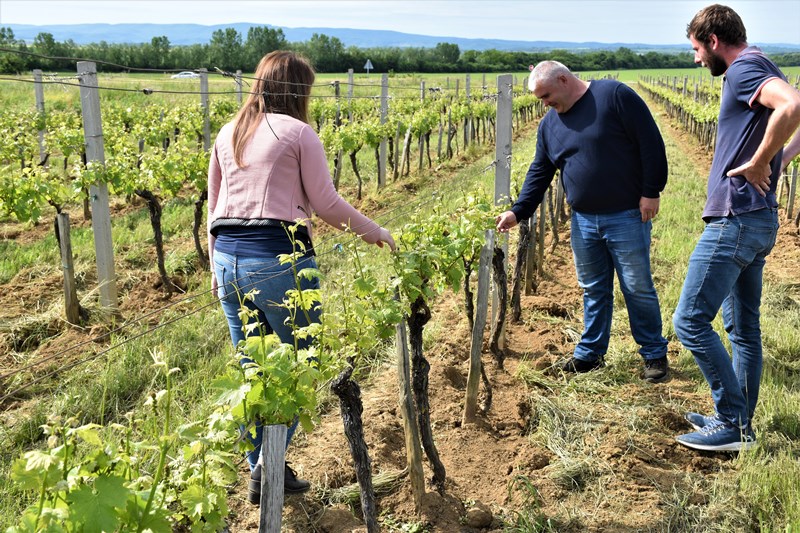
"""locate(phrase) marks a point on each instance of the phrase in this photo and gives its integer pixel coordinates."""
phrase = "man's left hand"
(649, 208)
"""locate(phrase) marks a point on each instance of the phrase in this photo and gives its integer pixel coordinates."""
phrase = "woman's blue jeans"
(615, 242)
(236, 276)
(725, 270)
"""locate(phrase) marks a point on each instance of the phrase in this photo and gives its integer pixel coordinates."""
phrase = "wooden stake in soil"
(531, 285)
(98, 192)
(413, 450)
(502, 176)
(382, 166)
(273, 457)
(792, 191)
(71, 305)
(473, 377)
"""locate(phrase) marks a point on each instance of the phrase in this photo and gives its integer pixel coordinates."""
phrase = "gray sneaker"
(656, 370)
(719, 436)
(699, 421)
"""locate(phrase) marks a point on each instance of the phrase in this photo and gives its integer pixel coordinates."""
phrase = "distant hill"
(184, 34)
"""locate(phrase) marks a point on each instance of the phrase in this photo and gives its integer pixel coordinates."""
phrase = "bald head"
(557, 87)
(546, 72)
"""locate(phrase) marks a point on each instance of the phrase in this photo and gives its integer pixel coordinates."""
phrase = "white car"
(185, 74)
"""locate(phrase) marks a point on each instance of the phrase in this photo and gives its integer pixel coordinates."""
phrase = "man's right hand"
(505, 221)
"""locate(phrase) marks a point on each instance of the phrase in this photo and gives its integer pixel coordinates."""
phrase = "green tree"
(326, 53)
(11, 62)
(260, 41)
(447, 53)
(225, 49)
(158, 52)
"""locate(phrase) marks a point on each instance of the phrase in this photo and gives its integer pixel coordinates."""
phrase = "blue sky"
(627, 21)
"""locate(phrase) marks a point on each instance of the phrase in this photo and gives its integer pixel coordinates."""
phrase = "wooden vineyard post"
(792, 191)
(540, 238)
(337, 164)
(421, 136)
(384, 118)
(98, 192)
(502, 169)
(396, 154)
(238, 80)
(39, 92)
(530, 257)
(468, 118)
(204, 105)
(349, 95)
(407, 411)
(71, 306)
(273, 453)
(405, 164)
(474, 375)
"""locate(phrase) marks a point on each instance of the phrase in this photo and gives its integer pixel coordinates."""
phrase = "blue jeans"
(725, 270)
(601, 245)
(236, 276)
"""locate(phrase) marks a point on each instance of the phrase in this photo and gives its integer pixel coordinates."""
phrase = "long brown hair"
(282, 85)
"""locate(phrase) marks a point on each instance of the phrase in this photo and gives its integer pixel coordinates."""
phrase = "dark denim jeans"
(725, 270)
(236, 276)
(601, 245)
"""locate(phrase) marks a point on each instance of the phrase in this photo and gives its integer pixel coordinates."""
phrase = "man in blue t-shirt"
(758, 112)
(602, 138)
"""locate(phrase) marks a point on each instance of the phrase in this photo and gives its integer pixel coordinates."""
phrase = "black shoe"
(579, 366)
(254, 486)
(656, 370)
(291, 484)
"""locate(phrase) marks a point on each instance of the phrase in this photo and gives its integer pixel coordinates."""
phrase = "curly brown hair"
(718, 20)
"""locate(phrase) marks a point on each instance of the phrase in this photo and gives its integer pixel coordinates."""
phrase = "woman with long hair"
(267, 172)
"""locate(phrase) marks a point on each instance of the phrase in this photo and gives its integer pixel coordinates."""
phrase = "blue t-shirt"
(608, 148)
(741, 126)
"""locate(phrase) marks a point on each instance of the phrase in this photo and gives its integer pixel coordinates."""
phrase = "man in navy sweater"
(603, 139)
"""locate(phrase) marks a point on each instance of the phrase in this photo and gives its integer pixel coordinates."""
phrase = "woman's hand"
(385, 237)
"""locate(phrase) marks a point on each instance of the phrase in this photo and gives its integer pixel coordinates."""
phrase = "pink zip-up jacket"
(286, 177)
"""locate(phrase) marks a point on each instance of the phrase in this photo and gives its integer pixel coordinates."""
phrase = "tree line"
(229, 50)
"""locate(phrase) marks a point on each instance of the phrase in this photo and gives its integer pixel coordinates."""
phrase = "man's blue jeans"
(236, 276)
(601, 245)
(725, 270)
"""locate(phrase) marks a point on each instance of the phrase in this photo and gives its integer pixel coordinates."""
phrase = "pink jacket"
(286, 178)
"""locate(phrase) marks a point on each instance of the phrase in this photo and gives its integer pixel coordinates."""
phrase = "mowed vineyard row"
(173, 462)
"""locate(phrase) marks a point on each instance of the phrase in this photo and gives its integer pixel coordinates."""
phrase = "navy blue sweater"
(608, 149)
